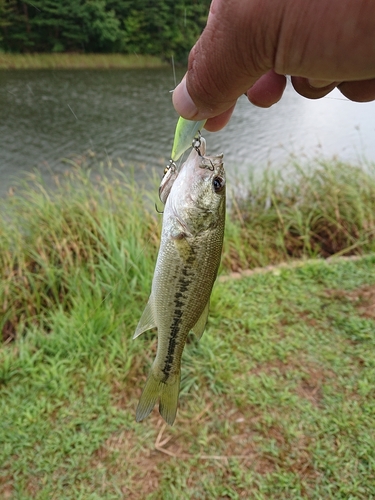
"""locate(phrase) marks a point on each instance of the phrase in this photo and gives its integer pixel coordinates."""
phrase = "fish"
(186, 268)
(186, 131)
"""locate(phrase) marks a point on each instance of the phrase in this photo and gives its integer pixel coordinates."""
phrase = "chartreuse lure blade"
(186, 130)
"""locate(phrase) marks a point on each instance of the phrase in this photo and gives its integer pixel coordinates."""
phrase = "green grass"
(74, 243)
(277, 399)
(78, 61)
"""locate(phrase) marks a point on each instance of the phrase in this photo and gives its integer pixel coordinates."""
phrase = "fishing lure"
(186, 131)
(187, 134)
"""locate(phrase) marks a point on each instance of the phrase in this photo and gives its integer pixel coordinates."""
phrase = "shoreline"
(79, 61)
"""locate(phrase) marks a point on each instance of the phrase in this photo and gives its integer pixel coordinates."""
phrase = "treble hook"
(212, 168)
(157, 210)
(171, 166)
(197, 143)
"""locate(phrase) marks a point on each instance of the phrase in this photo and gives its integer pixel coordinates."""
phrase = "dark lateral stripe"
(182, 287)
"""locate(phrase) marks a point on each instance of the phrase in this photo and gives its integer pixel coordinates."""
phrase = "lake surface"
(48, 116)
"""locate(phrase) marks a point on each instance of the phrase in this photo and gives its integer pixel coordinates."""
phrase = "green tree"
(162, 28)
(84, 25)
(167, 28)
(14, 26)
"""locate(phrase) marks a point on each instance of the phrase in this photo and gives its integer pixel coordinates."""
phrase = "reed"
(85, 240)
(324, 210)
(79, 61)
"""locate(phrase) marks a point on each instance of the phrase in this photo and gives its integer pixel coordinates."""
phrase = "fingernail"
(182, 101)
(319, 84)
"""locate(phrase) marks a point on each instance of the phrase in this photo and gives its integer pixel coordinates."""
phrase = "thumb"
(231, 54)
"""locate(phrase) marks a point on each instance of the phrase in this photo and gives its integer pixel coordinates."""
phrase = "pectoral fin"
(147, 320)
(200, 325)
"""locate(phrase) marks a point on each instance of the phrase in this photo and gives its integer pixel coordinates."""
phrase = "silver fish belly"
(186, 268)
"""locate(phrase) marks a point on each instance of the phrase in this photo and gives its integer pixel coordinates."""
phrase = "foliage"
(78, 233)
(323, 210)
(70, 60)
(165, 28)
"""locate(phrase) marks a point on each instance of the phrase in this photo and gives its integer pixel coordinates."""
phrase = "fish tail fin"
(169, 400)
(168, 394)
(148, 398)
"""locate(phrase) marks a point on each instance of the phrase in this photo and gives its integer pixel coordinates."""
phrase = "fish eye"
(218, 184)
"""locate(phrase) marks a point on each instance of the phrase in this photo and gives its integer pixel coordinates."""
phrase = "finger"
(218, 122)
(318, 84)
(305, 89)
(228, 58)
(360, 91)
(267, 90)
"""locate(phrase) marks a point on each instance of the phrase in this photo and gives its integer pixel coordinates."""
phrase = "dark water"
(46, 116)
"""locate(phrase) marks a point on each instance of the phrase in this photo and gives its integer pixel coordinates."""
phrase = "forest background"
(164, 28)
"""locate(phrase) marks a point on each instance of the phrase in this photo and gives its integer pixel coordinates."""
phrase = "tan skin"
(248, 46)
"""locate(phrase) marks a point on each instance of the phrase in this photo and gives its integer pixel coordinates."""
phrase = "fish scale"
(184, 291)
(185, 271)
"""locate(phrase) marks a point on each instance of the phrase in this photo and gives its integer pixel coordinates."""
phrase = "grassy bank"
(277, 399)
(79, 61)
(325, 209)
(85, 234)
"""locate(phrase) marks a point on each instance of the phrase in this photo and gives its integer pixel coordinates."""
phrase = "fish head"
(208, 183)
(197, 196)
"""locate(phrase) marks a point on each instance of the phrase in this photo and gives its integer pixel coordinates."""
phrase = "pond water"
(48, 116)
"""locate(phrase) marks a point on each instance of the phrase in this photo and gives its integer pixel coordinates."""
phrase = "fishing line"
(174, 72)
(337, 99)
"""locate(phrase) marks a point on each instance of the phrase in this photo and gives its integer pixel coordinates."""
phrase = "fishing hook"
(197, 143)
(171, 166)
(212, 168)
(157, 210)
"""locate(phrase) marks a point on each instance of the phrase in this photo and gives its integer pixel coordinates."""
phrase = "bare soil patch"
(362, 298)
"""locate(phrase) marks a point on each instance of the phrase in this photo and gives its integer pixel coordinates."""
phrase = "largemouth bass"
(186, 268)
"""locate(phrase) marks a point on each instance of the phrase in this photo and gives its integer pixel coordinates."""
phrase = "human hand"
(248, 46)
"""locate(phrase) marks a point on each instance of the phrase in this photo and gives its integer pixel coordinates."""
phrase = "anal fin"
(200, 325)
(147, 320)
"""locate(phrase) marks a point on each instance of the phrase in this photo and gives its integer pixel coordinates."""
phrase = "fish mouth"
(212, 163)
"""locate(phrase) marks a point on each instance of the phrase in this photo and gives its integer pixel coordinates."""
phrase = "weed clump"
(71, 60)
(84, 237)
(326, 210)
